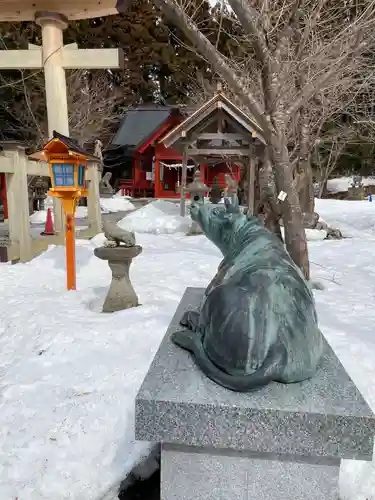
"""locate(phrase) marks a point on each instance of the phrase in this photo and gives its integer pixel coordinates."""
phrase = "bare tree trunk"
(305, 187)
(295, 237)
(304, 176)
(267, 206)
(322, 188)
(251, 173)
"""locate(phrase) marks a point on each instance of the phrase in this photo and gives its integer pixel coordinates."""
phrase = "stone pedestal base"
(190, 473)
(121, 294)
(282, 442)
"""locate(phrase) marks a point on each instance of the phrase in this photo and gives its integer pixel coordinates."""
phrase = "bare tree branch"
(204, 46)
(93, 105)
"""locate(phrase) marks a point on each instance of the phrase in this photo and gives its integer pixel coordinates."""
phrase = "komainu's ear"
(231, 204)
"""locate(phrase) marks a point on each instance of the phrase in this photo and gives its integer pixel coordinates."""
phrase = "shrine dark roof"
(70, 144)
(141, 122)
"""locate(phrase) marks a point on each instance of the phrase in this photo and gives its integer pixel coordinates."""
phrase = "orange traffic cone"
(48, 228)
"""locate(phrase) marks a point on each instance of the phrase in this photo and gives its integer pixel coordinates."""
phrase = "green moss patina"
(257, 322)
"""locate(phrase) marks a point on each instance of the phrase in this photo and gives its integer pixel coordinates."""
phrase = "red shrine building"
(146, 155)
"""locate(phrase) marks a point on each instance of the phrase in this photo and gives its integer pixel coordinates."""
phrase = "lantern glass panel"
(81, 175)
(63, 174)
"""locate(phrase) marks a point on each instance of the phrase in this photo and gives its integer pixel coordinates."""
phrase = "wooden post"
(3, 195)
(94, 214)
(251, 183)
(136, 170)
(157, 177)
(18, 203)
(203, 171)
(183, 183)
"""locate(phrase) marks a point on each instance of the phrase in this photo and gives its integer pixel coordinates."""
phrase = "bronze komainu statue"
(257, 322)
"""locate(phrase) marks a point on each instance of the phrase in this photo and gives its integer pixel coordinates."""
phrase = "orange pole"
(70, 249)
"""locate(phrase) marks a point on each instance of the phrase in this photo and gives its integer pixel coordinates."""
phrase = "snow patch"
(116, 204)
(311, 234)
(158, 217)
(341, 184)
(98, 240)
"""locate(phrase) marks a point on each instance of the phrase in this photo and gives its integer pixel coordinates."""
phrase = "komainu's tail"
(268, 372)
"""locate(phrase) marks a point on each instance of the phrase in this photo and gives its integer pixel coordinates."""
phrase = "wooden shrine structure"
(218, 138)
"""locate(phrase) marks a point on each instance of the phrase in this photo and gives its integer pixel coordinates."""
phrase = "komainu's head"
(223, 224)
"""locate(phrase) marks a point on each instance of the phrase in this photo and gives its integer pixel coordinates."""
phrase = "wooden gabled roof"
(218, 101)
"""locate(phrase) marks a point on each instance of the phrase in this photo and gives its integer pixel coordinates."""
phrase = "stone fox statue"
(257, 321)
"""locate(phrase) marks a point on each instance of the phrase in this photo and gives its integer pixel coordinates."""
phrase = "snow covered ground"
(69, 375)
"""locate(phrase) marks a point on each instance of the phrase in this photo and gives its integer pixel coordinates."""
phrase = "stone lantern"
(40, 191)
(197, 189)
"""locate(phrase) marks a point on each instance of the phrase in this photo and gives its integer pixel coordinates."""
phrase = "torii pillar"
(55, 84)
(54, 58)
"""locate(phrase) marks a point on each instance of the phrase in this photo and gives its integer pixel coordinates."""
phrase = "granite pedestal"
(283, 442)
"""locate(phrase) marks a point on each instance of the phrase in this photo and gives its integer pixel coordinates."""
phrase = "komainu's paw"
(190, 319)
(185, 319)
(185, 339)
(110, 244)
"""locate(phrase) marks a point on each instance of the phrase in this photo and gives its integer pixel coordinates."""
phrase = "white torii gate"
(54, 58)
